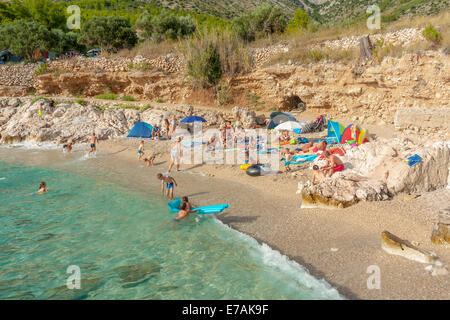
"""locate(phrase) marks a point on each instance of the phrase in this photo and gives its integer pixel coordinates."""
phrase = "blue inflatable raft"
(174, 207)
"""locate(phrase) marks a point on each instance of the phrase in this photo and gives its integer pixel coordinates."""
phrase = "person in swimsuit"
(288, 157)
(93, 141)
(321, 146)
(68, 147)
(51, 105)
(285, 137)
(173, 123)
(185, 209)
(168, 182)
(150, 159)
(333, 164)
(42, 187)
(40, 111)
(167, 127)
(141, 150)
(156, 132)
(175, 154)
(317, 175)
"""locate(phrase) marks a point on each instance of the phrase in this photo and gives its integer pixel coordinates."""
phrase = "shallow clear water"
(127, 245)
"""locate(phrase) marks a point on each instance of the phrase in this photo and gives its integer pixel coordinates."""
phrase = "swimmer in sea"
(93, 141)
(169, 183)
(141, 150)
(42, 187)
(68, 147)
(185, 209)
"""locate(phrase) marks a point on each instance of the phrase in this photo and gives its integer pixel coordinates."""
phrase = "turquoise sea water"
(127, 246)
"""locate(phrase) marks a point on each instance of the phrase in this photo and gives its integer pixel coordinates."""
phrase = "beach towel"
(413, 160)
(300, 159)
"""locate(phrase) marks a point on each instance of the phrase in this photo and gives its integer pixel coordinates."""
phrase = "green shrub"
(212, 54)
(432, 34)
(159, 100)
(223, 93)
(129, 106)
(204, 65)
(81, 101)
(128, 98)
(254, 99)
(146, 107)
(41, 69)
(106, 96)
(39, 98)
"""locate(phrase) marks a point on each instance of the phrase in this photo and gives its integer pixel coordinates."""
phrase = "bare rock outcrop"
(441, 229)
(343, 190)
(379, 170)
(246, 117)
(19, 119)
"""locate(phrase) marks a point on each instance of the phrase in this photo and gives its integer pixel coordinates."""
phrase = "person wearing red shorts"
(333, 164)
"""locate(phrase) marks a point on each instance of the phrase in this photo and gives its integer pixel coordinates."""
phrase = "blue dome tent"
(278, 117)
(140, 130)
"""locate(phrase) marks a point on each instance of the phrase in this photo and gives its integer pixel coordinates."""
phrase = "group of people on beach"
(332, 165)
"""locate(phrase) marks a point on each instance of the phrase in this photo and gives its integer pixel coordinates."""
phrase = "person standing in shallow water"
(93, 141)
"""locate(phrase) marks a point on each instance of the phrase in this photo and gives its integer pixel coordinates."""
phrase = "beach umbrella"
(192, 119)
(289, 126)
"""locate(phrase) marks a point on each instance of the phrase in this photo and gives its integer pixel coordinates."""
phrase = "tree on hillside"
(301, 21)
(6, 15)
(62, 42)
(45, 12)
(264, 20)
(165, 25)
(23, 37)
(110, 33)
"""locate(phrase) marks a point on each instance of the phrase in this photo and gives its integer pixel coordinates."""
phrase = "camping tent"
(278, 117)
(354, 132)
(141, 130)
(335, 131)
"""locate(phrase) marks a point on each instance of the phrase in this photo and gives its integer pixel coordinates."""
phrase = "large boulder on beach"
(343, 190)
(245, 116)
(386, 160)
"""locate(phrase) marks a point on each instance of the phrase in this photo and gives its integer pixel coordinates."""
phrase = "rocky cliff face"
(370, 96)
(19, 120)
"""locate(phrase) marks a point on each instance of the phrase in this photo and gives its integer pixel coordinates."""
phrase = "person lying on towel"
(333, 164)
(309, 148)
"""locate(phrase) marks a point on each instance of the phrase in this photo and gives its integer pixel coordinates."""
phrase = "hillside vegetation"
(351, 11)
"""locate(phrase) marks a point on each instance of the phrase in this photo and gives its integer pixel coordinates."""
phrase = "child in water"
(169, 182)
(185, 209)
(42, 187)
(68, 147)
(141, 150)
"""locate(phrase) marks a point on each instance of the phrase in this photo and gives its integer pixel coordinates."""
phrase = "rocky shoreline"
(375, 171)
